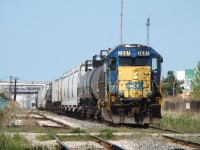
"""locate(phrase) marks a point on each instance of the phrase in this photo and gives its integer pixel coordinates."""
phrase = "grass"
(65, 138)
(77, 130)
(76, 138)
(31, 128)
(106, 134)
(46, 137)
(189, 123)
(8, 142)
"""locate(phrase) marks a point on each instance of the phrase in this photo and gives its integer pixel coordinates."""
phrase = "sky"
(42, 39)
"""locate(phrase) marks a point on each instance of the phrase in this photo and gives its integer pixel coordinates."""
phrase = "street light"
(173, 88)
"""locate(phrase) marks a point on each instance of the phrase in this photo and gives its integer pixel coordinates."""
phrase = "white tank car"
(69, 83)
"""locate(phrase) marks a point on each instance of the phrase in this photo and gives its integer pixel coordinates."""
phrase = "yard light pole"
(173, 88)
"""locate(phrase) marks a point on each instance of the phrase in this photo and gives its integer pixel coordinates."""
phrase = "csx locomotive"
(121, 85)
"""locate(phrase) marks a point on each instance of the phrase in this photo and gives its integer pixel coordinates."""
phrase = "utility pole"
(173, 87)
(148, 24)
(15, 90)
(121, 15)
(10, 88)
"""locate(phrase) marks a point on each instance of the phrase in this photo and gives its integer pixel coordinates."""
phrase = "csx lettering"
(134, 85)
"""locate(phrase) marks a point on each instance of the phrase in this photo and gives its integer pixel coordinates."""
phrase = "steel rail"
(169, 130)
(64, 126)
(63, 146)
(107, 144)
(181, 141)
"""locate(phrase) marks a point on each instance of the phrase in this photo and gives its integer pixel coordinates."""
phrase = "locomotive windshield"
(129, 61)
(125, 61)
(141, 61)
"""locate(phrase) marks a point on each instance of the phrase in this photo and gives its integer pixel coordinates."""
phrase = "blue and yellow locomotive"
(132, 85)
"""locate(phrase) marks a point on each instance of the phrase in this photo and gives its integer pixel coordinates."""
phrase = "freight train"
(120, 85)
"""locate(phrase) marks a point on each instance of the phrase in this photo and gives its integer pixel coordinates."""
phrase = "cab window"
(112, 63)
(141, 62)
(125, 61)
(154, 64)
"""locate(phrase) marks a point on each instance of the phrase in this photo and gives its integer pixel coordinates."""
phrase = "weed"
(75, 138)
(16, 141)
(181, 122)
(106, 134)
(77, 130)
(65, 138)
(45, 137)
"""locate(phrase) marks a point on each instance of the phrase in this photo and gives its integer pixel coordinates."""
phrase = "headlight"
(121, 94)
(135, 77)
(149, 93)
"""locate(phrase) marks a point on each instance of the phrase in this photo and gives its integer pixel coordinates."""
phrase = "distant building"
(180, 75)
(187, 76)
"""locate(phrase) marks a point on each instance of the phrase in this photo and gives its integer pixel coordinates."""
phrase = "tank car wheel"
(83, 114)
(89, 113)
(98, 115)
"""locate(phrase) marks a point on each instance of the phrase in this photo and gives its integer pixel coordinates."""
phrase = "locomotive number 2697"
(124, 53)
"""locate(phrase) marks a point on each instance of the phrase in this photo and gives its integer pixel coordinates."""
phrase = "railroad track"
(183, 142)
(61, 144)
(62, 125)
(107, 145)
(167, 130)
(111, 146)
(175, 139)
